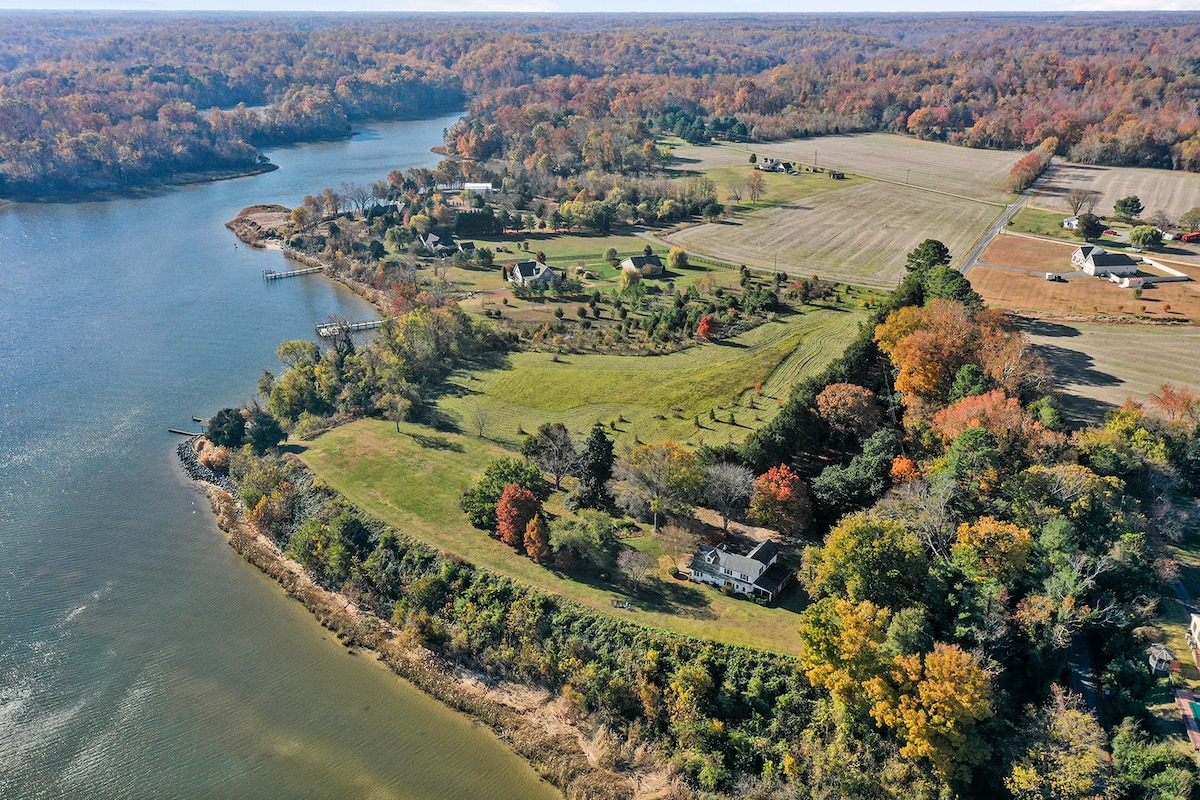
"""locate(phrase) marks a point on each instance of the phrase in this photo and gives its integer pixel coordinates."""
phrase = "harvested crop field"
(857, 235)
(1099, 366)
(1158, 189)
(966, 171)
(1023, 291)
(1024, 252)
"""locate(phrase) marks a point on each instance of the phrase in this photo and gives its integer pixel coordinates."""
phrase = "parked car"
(1110, 232)
(1055, 277)
(1190, 237)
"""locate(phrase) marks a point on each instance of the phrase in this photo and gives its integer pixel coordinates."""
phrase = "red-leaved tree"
(517, 507)
(706, 328)
(781, 501)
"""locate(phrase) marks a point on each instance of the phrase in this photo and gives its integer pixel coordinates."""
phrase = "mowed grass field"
(1159, 189)
(651, 398)
(1022, 291)
(1099, 366)
(859, 234)
(413, 479)
(966, 171)
(1024, 252)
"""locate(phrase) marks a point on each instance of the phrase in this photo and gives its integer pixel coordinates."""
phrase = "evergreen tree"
(595, 468)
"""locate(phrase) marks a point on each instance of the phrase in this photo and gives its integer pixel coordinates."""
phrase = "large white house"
(1095, 260)
(757, 573)
(529, 273)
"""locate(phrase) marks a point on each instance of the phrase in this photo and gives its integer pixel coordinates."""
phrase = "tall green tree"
(1128, 209)
(227, 428)
(480, 501)
(595, 468)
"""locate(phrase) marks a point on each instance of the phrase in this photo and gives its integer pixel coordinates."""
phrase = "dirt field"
(1026, 253)
(1158, 189)
(932, 165)
(1099, 366)
(858, 235)
(1022, 291)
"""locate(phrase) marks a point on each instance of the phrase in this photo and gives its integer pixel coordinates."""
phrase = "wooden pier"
(270, 274)
(329, 329)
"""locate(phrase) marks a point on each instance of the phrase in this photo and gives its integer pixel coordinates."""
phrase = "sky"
(612, 6)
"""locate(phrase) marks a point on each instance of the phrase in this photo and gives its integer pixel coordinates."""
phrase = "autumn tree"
(727, 488)
(656, 479)
(934, 702)
(552, 448)
(1179, 405)
(517, 508)
(537, 539)
(480, 501)
(842, 647)
(677, 259)
(849, 409)
(1066, 754)
(781, 501)
(706, 327)
(756, 187)
(677, 541)
(999, 550)
(867, 558)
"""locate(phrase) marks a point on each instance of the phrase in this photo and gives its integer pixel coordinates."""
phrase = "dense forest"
(104, 101)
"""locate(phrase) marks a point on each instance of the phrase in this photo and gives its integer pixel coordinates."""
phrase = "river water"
(139, 656)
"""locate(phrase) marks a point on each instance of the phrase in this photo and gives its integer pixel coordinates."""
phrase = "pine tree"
(595, 468)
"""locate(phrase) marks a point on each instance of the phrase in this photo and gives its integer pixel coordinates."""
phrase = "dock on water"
(329, 329)
(270, 274)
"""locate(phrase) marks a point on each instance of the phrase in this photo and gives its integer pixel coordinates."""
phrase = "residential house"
(649, 266)
(1095, 260)
(478, 188)
(439, 245)
(530, 273)
(757, 574)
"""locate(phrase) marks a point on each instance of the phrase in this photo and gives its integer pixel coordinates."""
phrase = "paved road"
(973, 257)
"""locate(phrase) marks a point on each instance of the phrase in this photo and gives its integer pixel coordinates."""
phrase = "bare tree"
(479, 417)
(357, 195)
(756, 186)
(1082, 201)
(677, 541)
(634, 565)
(727, 488)
(735, 193)
(553, 450)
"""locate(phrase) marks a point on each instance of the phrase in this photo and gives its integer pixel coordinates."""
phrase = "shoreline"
(565, 749)
(166, 182)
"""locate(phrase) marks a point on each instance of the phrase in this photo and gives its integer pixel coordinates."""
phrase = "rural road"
(973, 257)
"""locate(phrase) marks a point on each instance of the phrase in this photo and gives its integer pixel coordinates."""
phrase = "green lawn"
(651, 398)
(1041, 222)
(412, 480)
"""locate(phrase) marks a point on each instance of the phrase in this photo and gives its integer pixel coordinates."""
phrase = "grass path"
(412, 480)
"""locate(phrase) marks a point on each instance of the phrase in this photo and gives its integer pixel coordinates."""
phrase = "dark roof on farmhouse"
(774, 579)
(1107, 259)
(638, 262)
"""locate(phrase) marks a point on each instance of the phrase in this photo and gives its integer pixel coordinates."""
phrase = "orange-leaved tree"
(517, 507)
(781, 501)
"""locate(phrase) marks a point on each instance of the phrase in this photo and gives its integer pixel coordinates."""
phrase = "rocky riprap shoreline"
(198, 472)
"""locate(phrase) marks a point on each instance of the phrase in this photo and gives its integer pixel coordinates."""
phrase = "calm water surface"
(139, 656)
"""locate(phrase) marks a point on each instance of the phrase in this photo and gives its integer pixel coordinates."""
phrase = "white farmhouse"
(1095, 260)
(757, 574)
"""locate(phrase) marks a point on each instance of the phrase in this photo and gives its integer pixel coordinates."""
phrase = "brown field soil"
(1158, 189)
(1024, 252)
(1100, 366)
(857, 235)
(932, 165)
(1021, 291)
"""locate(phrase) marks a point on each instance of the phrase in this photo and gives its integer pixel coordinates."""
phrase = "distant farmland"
(966, 171)
(1158, 189)
(859, 234)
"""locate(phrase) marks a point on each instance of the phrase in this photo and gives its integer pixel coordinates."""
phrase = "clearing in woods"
(859, 234)
(1099, 366)
(1159, 190)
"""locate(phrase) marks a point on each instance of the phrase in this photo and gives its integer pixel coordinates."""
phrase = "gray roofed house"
(649, 266)
(1095, 260)
(527, 273)
(756, 573)
(440, 246)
